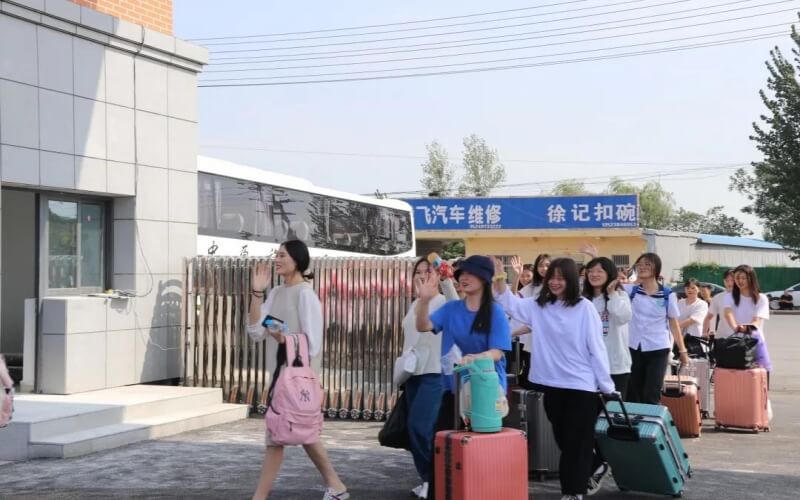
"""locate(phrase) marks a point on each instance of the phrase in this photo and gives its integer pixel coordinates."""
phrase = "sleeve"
(672, 306)
(516, 307)
(762, 308)
(699, 312)
(439, 317)
(593, 329)
(713, 309)
(449, 290)
(310, 313)
(256, 331)
(500, 333)
(728, 303)
(619, 307)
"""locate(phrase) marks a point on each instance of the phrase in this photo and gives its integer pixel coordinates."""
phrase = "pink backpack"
(6, 394)
(294, 414)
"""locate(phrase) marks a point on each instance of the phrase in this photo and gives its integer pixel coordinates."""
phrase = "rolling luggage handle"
(677, 392)
(620, 426)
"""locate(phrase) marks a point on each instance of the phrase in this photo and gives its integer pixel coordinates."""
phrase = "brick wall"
(154, 14)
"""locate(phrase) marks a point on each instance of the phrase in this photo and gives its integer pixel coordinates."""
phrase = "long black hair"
(611, 270)
(537, 280)
(752, 279)
(483, 320)
(298, 251)
(568, 270)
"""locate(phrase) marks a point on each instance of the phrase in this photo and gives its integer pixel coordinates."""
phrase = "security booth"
(528, 226)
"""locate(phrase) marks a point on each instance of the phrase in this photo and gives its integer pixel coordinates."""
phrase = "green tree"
(655, 203)
(438, 175)
(453, 249)
(569, 187)
(772, 186)
(482, 168)
(712, 222)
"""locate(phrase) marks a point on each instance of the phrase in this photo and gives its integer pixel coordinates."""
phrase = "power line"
(492, 61)
(596, 180)
(422, 157)
(508, 49)
(502, 68)
(447, 33)
(470, 23)
(426, 48)
(503, 38)
(463, 16)
(549, 21)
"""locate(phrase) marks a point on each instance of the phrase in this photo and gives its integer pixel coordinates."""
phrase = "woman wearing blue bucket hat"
(475, 324)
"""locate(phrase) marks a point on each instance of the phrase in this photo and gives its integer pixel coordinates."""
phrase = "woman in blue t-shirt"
(476, 324)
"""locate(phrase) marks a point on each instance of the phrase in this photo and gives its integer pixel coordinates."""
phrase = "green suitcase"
(641, 444)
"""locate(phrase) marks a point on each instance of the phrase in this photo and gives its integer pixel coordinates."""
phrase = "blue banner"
(554, 212)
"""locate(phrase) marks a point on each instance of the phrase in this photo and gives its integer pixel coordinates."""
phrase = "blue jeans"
(424, 393)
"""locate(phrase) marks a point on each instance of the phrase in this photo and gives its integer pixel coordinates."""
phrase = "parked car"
(715, 289)
(775, 295)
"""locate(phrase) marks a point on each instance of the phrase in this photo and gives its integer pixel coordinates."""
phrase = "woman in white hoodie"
(424, 389)
(569, 363)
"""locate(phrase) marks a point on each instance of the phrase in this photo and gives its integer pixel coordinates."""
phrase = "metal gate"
(363, 300)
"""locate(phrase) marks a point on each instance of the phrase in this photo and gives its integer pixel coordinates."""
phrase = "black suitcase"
(526, 412)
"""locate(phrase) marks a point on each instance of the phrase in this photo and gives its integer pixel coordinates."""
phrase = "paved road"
(223, 461)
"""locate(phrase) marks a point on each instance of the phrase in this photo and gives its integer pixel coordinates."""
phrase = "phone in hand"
(272, 323)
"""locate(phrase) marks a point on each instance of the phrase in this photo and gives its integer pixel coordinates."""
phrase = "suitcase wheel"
(678, 494)
(717, 427)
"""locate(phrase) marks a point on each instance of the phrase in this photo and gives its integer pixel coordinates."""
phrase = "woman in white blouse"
(296, 305)
(425, 388)
(746, 305)
(692, 309)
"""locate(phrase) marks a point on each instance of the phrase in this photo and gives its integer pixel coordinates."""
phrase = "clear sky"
(648, 116)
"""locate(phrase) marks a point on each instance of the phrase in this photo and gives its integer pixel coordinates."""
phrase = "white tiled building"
(98, 124)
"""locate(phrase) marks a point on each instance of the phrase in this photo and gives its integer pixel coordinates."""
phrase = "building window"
(75, 246)
(621, 260)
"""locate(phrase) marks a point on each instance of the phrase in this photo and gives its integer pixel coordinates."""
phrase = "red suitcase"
(481, 466)
(680, 395)
(741, 399)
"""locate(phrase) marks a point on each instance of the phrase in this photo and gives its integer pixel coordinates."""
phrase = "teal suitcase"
(641, 444)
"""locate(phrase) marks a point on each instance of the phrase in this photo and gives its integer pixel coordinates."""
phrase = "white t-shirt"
(717, 310)
(697, 312)
(568, 349)
(528, 291)
(747, 309)
(649, 328)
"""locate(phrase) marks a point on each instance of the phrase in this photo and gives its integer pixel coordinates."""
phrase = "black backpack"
(736, 352)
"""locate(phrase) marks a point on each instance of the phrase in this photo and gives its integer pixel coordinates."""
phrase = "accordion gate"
(363, 301)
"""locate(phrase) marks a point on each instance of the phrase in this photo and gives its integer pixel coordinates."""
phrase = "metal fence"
(363, 300)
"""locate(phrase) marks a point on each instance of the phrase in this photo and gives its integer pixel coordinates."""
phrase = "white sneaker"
(332, 495)
(572, 497)
(596, 481)
(420, 491)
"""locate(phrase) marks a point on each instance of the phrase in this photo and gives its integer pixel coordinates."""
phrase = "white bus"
(249, 211)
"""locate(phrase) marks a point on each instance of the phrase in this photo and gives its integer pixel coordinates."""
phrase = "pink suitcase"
(479, 466)
(741, 399)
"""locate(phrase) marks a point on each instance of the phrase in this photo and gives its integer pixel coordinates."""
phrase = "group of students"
(582, 336)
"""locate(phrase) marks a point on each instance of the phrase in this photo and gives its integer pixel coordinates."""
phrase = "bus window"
(232, 208)
(298, 215)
